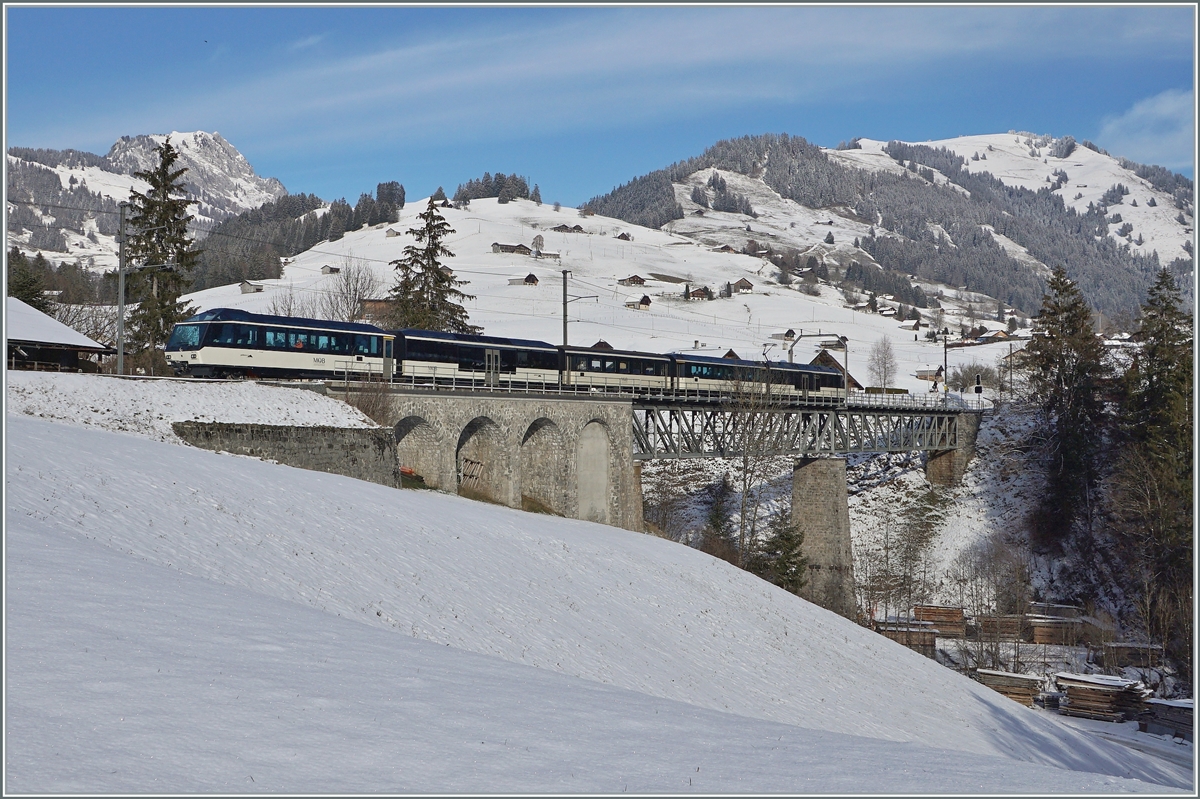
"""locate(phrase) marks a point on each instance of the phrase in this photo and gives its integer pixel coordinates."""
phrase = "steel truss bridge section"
(708, 431)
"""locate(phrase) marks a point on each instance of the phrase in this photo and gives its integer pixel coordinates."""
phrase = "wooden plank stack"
(950, 621)
(1101, 697)
(1172, 717)
(1116, 655)
(1055, 629)
(1018, 687)
(1008, 627)
(1059, 611)
(918, 636)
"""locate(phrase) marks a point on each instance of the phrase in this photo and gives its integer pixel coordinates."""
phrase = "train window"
(622, 367)
(581, 364)
(522, 358)
(597, 365)
(297, 340)
(184, 337)
(275, 338)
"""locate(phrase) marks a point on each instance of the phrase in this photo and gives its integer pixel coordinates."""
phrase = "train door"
(491, 367)
(388, 357)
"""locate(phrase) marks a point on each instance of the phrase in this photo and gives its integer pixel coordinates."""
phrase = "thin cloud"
(306, 42)
(1157, 130)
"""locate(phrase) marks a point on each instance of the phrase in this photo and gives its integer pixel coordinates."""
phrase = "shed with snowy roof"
(42, 343)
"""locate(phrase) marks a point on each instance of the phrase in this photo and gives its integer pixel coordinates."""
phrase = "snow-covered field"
(744, 323)
(163, 603)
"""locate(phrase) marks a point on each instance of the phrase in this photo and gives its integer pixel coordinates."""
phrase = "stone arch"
(417, 445)
(481, 462)
(544, 464)
(593, 471)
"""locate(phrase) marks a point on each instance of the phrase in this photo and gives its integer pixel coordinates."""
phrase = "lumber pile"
(1007, 627)
(950, 621)
(1018, 687)
(1100, 697)
(1059, 611)
(1168, 717)
(919, 636)
(1055, 629)
(1116, 655)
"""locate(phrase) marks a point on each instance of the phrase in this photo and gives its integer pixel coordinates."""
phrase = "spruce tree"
(158, 222)
(536, 196)
(24, 283)
(425, 296)
(1067, 369)
(780, 559)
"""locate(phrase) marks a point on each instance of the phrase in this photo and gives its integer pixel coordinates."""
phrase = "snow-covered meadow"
(180, 620)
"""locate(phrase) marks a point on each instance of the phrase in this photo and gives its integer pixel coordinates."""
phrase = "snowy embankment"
(186, 620)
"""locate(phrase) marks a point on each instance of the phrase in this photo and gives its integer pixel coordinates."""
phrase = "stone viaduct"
(579, 457)
(571, 457)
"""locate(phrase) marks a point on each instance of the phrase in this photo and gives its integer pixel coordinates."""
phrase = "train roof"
(469, 339)
(605, 351)
(239, 315)
(782, 365)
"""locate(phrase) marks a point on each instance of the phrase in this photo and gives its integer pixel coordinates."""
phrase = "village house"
(632, 280)
(701, 293)
(743, 286)
(825, 359)
(250, 288)
(391, 233)
(625, 237)
(723, 248)
(928, 372)
(519, 249)
(330, 270)
(638, 304)
(567, 228)
(529, 280)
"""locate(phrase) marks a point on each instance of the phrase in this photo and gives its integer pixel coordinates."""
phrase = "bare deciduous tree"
(344, 293)
(882, 362)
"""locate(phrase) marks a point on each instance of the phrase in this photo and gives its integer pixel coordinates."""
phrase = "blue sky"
(334, 100)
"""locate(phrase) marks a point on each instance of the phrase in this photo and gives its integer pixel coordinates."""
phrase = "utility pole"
(121, 293)
(565, 272)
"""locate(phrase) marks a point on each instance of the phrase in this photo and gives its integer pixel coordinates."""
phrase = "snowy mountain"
(218, 176)
(991, 214)
(207, 622)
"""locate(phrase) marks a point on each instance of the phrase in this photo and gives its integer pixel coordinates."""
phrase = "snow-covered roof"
(26, 323)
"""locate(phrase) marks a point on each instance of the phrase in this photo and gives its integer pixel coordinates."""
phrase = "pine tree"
(425, 295)
(780, 558)
(439, 195)
(159, 221)
(536, 196)
(1067, 370)
(24, 283)
(1151, 489)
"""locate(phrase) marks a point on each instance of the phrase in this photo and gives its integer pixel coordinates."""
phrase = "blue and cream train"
(225, 342)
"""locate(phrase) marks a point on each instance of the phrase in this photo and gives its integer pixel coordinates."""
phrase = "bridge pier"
(821, 512)
(947, 467)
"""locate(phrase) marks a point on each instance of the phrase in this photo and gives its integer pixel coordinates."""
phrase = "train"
(230, 342)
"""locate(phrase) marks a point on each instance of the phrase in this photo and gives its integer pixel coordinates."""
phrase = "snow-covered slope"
(179, 610)
(1017, 159)
(218, 176)
(598, 260)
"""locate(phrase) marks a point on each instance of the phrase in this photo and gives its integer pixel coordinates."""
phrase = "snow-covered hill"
(201, 621)
(746, 323)
(1019, 159)
(218, 177)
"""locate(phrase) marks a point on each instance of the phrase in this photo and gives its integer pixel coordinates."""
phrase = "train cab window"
(622, 367)
(185, 337)
(298, 341)
(275, 338)
(366, 345)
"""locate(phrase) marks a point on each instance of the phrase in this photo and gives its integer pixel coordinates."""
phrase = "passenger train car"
(227, 342)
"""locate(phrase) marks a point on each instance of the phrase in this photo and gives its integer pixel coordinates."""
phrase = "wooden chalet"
(743, 286)
(625, 237)
(519, 249)
(701, 293)
(375, 310)
(632, 280)
(330, 270)
(602, 345)
(723, 248)
(392, 233)
(567, 228)
(250, 288)
(529, 280)
(639, 304)
(825, 359)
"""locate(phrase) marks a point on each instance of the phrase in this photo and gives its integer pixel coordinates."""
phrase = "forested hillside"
(906, 210)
